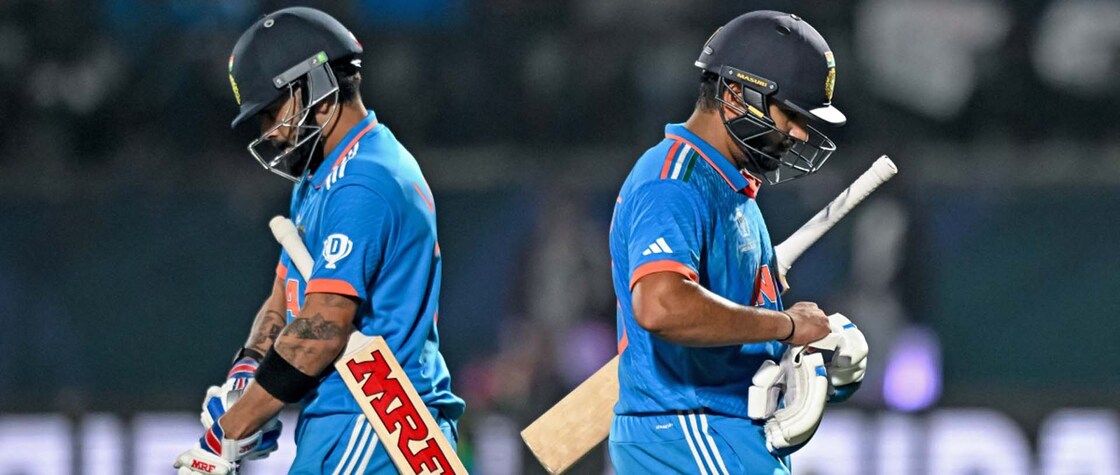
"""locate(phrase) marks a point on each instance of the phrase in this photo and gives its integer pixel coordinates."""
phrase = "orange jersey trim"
(342, 154)
(669, 159)
(330, 286)
(702, 154)
(664, 265)
(281, 271)
(431, 206)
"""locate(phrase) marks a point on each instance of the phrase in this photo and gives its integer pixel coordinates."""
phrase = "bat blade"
(573, 427)
(395, 410)
(389, 401)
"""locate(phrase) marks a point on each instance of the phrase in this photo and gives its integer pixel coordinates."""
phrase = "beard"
(768, 151)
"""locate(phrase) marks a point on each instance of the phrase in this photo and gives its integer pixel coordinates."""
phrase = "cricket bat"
(581, 420)
(375, 378)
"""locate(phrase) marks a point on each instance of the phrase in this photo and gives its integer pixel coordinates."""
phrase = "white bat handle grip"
(789, 250)
(286, 234)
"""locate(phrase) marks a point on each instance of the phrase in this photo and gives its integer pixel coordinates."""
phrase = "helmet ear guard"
(315, 81)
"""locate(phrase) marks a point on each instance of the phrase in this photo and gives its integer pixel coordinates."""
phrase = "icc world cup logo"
(335, 248)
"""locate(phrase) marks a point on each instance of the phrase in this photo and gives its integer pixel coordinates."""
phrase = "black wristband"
(282, 380)
(248, 352)
(792, 327)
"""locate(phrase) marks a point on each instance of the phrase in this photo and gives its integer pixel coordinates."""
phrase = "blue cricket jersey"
(368, 218)
(686, 208)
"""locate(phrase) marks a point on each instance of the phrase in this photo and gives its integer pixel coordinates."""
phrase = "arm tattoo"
(304, 342)
(313, 328)
(265, 330)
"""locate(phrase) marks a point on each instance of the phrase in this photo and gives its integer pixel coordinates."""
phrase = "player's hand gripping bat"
(582, 419)
(382, 389)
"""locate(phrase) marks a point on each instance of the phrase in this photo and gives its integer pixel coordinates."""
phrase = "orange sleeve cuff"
(331, 286)
(665, 265)
(281, 271)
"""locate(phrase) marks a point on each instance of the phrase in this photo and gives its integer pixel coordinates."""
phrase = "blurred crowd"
(526, 115)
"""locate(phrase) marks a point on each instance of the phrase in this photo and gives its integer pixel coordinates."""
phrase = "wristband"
(248, 353)
(792, 327)
(282, 380)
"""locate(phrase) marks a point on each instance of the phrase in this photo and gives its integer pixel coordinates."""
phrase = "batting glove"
(214, 454)
(790, 397)
(849, 361)
(220, 398)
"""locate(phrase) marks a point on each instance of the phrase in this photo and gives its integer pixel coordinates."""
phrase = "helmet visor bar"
(291, 158)
(774, 154)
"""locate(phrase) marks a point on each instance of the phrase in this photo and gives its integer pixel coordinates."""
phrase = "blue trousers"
(691, 443)
(345, 444)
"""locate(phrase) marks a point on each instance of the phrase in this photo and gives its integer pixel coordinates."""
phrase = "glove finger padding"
(269, 441)
(849, 362)
(806, 391)
(220, 398)
(199, 461)
(765, 391)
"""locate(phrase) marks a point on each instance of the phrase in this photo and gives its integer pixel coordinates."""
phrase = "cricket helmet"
(775, 58)
(290, 51)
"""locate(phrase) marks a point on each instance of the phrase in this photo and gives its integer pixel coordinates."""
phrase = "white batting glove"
(220, 398)
(790, 397)
(849, 362)
(198, 461)
(214, 454)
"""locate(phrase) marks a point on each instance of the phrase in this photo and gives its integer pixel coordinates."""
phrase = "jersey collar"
(738, 180)
(335, 157)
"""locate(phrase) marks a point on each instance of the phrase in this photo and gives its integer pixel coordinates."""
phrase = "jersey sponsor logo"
(335, 248)
(658, 247)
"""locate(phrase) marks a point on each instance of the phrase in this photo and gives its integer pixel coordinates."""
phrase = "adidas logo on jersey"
(658, 247)
(339, 171)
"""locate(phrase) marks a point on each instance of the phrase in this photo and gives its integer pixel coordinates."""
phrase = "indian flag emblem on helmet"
(232, 82)
(830, 81)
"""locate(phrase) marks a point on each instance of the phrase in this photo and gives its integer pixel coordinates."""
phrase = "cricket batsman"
(700, 313)
(366, 214)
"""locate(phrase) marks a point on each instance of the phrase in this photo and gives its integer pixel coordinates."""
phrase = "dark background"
(135, 251)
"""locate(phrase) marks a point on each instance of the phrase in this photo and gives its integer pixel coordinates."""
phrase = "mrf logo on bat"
(388, 398)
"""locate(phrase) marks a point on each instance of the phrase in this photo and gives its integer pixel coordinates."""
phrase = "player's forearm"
(252, 411)
(268, 323)
(683, 312)
(314, 339)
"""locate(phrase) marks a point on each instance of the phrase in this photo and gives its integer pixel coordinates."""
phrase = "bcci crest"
(232, 82)
(830, 81)
(335, 248)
